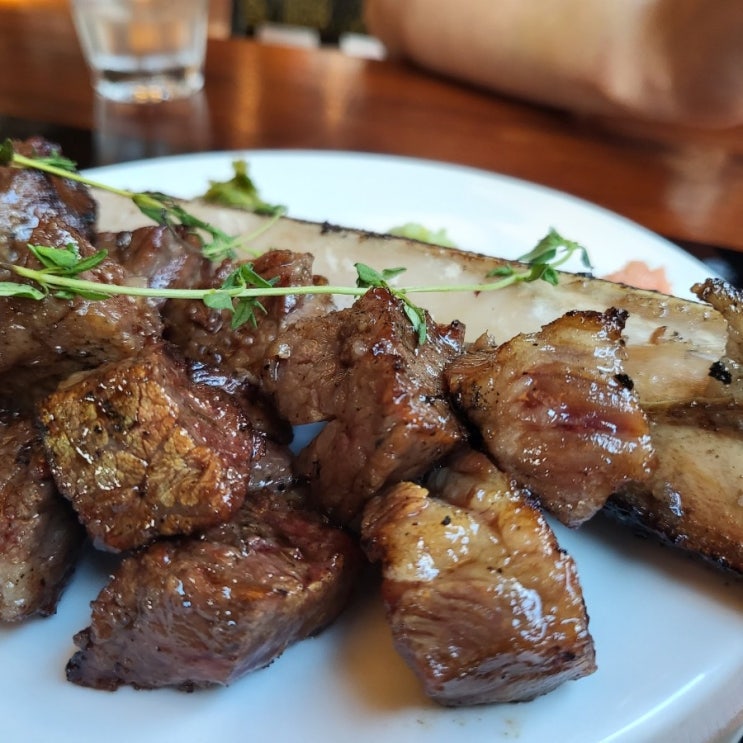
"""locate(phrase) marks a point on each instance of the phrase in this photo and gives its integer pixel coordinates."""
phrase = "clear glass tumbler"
(143, 51)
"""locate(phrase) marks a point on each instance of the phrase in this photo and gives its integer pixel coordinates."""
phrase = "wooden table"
(686, 185)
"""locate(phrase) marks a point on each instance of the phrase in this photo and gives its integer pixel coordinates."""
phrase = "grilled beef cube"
(557, 412)
(141, 451)
(206, 610)
(40, 537)
(29, 196)
(392, 419)
(161, 256)
(256, 405)
(52, 338)
(206, 335)
(272, 461)
(483, 604)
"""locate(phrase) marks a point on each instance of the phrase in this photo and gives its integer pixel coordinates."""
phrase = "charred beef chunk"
(206, 335)
(273, 460)
(206, 610)
(161, 256)
(40, 537)
(557, 412)
(392, 419)
(52, 338)
(29, 196)
(693, 499)
(142, 451)
(255, 404)
(483, 604)
(728, 301)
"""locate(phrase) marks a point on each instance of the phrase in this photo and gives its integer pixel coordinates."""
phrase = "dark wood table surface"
(686, 185)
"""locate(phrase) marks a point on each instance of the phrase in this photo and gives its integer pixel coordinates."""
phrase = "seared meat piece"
(272, 461)
(254, 403)
(142, 451)
(483, 604)
(207, 610)
(728, 301)
(558, 413)
(161, 256)
(392, 420)
(206, 335)
(40, 538)
(52, 338)
(694, 500)
(28, 197)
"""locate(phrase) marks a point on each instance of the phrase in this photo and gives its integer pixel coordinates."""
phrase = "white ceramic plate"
(668, 632)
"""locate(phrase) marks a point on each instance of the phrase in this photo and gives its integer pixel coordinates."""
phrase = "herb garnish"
(160, 208)
(551, 252)
(242, 291)
(240, 192)
(367, 277)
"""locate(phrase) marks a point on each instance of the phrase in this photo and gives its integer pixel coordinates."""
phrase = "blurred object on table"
(141, 51)
(678, 61)
(307, 23)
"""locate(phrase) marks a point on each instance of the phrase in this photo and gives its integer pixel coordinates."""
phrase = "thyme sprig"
(159, 207)
(367, 277)
(551, 252)
(241, 293)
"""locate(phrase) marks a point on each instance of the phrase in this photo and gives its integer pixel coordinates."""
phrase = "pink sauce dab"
(641, 276)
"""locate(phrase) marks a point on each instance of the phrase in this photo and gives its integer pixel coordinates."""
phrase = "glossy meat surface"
(160, 256)
(391, 420)
(140, 450)
(40, 537)
(483, 604)
(52, 338)
(28, 197)
(206, 335)
(558, 413)
(209, 609)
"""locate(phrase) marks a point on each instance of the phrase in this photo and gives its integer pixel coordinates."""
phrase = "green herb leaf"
(240, 192)
(66, 261)
(552, 251)
(13, 289)
(415, 231)
(368, 277)
(227, 297)
(547, 248)
(6, 152)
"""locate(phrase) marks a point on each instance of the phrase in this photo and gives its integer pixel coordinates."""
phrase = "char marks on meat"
(728, 301)
(483, 604)
(40, 537)
(140, 450)
(557, 412)
(49, 340)
(390, 417)
(206, 610)
(206, 335)
(29, 196)
(693, 501)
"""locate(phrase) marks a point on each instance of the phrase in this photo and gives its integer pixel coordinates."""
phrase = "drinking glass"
(143, 51)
